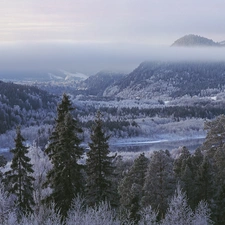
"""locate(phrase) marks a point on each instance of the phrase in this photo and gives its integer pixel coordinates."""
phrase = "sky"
(90, 35)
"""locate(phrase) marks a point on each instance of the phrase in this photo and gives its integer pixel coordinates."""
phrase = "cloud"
(91, 35)
(91, 58)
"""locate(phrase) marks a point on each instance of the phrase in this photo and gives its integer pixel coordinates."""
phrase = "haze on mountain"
(193, 40)
(90, 36)
(35, 59)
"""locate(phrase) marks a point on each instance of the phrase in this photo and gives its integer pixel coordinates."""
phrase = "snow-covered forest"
(63, 183)
(156, 101)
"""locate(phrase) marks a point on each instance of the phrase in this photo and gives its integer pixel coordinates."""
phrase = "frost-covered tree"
(99, 167)
(148, 216)
(131, 187)
(202, 215)
(178, 212)
(41, 166)
(7, 209)
(159, 181)
(19, 179)
(45, 216)
(64, 150)
(97, 215)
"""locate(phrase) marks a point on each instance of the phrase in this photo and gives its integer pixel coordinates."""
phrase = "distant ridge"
(192, 40)
(158, 80)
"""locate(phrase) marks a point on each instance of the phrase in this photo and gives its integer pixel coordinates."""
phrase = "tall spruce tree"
(64, 151)
(205, 181)
(131, 187)
(159, 181)
(214, 149)
(19, 179)
(99, 167)
(185, 168)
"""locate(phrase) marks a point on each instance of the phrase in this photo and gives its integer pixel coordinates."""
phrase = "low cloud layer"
(91, 58)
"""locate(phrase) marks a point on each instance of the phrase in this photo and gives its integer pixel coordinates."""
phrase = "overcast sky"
(101, 28)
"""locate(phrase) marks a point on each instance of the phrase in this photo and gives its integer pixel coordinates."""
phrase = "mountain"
(96, 84)
(170, 80)
(192, 40)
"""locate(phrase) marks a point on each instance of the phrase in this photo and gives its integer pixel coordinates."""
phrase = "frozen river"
(136, 145)
(144, 144)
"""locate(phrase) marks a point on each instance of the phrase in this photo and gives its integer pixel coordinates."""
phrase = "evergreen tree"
(18, 179)
(197, 159)
(159, 181)
(180, 162)
(185, 168)
(214, 147)
(131, 187)
(99, 167)
(205, 181)
(215, 133)
(219, 187)
(64, 151)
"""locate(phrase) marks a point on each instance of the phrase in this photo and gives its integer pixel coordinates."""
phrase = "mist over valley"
(168, 97)
(112, 112)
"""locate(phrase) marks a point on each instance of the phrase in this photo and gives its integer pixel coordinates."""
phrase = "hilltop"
(192, 40)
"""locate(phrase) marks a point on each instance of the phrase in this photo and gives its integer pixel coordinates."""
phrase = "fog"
(91, 58)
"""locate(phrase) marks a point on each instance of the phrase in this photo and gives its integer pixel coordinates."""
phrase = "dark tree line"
(204, 110)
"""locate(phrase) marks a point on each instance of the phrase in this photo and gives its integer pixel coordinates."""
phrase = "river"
(142, 145)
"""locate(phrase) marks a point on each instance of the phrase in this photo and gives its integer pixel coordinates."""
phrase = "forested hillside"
(158, 100)
(96, 85)
(170, 80)
(24, 105)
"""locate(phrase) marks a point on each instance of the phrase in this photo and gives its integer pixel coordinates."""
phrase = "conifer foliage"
(18, 178)
(159, 181)
(64, 151)
(131, 187)
(99, 166)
